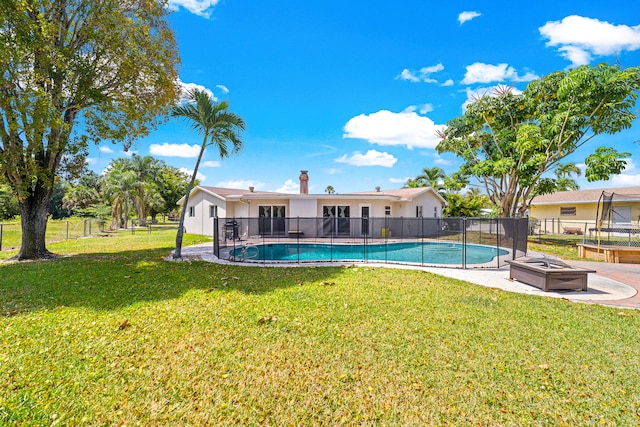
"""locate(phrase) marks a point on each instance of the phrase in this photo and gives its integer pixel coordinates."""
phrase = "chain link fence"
(74, 228)
(586, 232)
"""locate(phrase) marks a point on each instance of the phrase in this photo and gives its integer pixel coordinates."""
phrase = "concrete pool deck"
(613, 284)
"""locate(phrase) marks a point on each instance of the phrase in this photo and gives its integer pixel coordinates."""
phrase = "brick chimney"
(304, 182)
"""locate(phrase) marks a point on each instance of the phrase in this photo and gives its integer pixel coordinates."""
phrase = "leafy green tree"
(147, 170)
(218, 126)
(9, 207)
(606, 161)
(508, 141)
(172, 184)
(330, 189)
(84, 194)
(75, 72)
(57, 209)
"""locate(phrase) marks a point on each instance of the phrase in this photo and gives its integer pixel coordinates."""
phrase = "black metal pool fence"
(507, 236)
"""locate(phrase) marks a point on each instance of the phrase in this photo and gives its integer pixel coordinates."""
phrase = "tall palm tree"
(218, 126)
(564, 180)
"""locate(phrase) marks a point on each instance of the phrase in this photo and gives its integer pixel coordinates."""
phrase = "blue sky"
(353, 91)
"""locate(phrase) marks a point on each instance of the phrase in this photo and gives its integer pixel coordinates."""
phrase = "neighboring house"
(271, 208)
(582, 206)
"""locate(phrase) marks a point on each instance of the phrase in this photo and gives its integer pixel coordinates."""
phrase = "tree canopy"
(508, 140)
(75, 72)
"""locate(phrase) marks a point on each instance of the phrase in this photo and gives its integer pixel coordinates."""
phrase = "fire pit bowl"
(549, 274)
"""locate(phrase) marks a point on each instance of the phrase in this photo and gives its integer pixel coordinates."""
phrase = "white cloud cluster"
(479, 72)
(175, 150)
(223, 88)
(424, 75)
(400, 180)
(186, 87)
(387, 128)
(289, 187)
(578, 38)
(202, 178)
(105, 149)
(211, 164)
(371, 158)
(241, 184)
(467, 16)
(197, 7)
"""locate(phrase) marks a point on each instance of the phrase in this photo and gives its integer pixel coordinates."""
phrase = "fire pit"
(549, 274)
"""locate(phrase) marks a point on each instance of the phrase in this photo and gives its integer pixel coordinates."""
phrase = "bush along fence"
(446, 242)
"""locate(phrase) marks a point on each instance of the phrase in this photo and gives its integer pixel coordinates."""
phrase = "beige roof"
(236, 193)
(585, 196)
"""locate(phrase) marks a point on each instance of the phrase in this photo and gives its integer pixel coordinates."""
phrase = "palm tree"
(218, 126)
(147, 170)
(330, 189)
(430, 177)
(564, 181)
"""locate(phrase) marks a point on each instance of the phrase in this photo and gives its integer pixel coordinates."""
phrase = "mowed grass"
(115, 335)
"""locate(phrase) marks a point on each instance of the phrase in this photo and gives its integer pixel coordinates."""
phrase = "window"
(418, 211)
(568, 211)
(387, 210)
(213, 211)
(435, 212)
(192, 211)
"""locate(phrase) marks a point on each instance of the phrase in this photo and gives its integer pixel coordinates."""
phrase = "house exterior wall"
(202, 222)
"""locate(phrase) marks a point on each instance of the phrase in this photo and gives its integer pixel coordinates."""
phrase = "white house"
(282, 213)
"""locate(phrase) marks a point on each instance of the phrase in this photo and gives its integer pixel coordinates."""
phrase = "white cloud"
(240, 184)
(371, 158)
(441, 161)
(175, 150)
(424, 75)
(289, 187)
(105, 149)
(387, 128)
(399, 180)
(626, 179)
(331, 171)
(223, 88)
(91, 160)
(579, 37)
(449, 82)
(197, 7)
(487, 73)
(211, 164)
(186, 87)
(467, 16)
(422, 108)
(576, 55)
(189, 173)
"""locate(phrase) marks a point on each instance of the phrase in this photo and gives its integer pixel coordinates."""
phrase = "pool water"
(404, 252)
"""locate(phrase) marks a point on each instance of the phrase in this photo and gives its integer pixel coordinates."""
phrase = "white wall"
(303, 208)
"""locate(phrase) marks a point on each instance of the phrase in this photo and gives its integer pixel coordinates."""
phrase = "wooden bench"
(297, 233)
(612, 254)
(549, 274)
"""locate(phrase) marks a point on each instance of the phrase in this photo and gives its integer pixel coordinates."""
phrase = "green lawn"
(115, 335)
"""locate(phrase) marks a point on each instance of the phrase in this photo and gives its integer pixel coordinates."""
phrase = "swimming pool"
(448, 253)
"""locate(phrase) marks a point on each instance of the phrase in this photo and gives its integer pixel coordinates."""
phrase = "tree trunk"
(34, 212)
(177, 254)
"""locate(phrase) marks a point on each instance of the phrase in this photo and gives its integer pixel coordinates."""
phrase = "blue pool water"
(404, 252)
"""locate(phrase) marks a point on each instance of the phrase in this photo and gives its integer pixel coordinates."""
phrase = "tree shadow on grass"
(108, 281)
